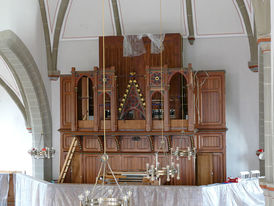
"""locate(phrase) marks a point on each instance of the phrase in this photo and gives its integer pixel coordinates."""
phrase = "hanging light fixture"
(190, 152)
(88, 198)
(42, 152)
(154, 172)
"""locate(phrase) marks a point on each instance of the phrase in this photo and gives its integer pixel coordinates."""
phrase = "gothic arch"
(25, 70)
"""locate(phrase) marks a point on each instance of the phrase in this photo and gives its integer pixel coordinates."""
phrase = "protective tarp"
(156, 43)
(246, 193)
(39, 193)
(31, 192)
(133, 45)
(4, 189)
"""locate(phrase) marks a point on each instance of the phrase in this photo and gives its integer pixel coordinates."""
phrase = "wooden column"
(166, 99)
(166, 110)
(85, 100)
(96, 103)
(190, 99)
(74, 102)
(114, 118)
(148, 102)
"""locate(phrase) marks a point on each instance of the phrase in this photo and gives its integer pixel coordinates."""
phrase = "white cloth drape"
(4, 189)
(33, 192)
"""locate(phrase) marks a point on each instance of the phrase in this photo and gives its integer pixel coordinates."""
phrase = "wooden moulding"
(138, 125)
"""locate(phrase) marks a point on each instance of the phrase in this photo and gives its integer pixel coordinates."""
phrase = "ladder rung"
(68, 160)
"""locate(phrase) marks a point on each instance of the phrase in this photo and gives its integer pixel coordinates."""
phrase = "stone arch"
(25, 70)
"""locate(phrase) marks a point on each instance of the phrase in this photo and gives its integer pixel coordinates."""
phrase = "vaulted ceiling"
(211, 18)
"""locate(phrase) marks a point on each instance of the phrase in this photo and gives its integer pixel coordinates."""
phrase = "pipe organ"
(189, 106)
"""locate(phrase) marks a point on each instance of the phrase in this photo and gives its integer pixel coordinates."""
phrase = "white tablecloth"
(4, 189)
(33, 192)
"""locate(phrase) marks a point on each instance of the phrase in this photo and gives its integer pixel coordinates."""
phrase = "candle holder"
(155, 172)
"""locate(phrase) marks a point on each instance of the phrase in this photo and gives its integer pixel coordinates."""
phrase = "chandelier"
(189, 153)
(42, 152)
(154, 172)
(88, 198)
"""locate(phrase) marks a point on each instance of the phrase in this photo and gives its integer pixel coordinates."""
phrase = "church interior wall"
(242, 96)
(13, 130)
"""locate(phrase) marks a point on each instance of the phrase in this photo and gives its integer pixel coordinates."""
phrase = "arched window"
(85, 107)
(157, 106)
(178, 97)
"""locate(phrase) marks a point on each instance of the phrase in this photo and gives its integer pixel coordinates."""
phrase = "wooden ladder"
(68, 160)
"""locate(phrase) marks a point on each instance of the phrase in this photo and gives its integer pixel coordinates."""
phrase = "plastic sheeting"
(30, 192)
(133, 45)
(4, 188)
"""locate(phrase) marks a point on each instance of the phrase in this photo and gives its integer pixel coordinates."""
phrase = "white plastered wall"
(242, 96)
(14, 137)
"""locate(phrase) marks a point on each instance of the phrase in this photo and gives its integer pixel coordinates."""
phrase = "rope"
(115, 179)
(97, 178)
(161, 67)
(104, 75)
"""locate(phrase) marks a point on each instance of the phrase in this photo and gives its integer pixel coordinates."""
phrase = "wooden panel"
(11, 194)
(211, 141)
(218, 168)
(66, 140)
(211, 97)
(131, 124)
(107, 125)
(92, 166)
(178, 123)
(157, 124)
(91, 144)
(135, 162)
(75, 171)
(125, 65)
(111, 144)
(130, 145)
(66, 101)
(187, 172)
(204, 169)
(157, 144)
(115, 162)
(85, 124)
(181, 141)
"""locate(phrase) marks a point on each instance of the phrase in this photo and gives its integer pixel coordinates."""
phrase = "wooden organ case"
(192, 102)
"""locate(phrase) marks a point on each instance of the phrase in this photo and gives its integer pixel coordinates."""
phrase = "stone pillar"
(261, 110)
(268, 116)
(266, 139)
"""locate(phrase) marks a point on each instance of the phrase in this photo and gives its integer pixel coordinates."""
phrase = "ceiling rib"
(252, 37)
(116, 17)
(191, 36)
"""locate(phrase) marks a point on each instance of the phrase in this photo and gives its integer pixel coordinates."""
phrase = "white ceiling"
(8, 78)
(83, 19)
